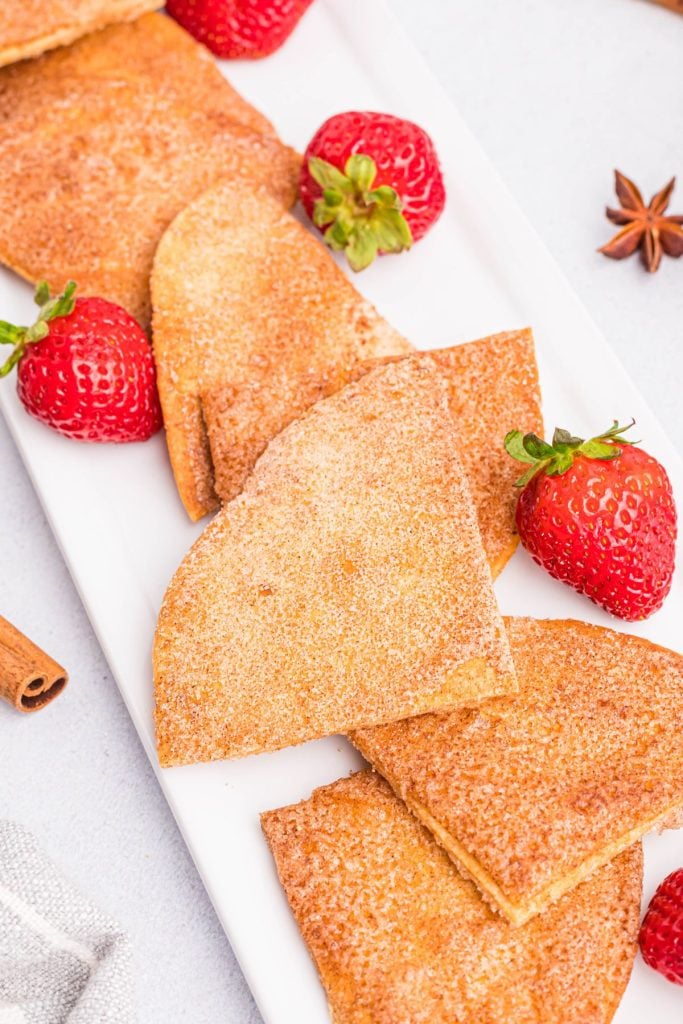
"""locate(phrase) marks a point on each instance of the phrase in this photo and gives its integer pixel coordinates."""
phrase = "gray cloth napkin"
(61, 960)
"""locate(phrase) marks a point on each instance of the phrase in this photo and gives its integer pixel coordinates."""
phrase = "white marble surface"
(558, 94)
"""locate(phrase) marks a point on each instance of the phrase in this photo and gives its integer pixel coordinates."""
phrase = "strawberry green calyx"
(556, 458)
(360, 220)
(20, 337)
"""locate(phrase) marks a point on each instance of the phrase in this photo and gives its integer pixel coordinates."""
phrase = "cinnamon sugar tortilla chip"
(531, 794)
(345, 586)
(30, 27)
(492, 383)
(253, 323)
(399, 937)
(105, 141)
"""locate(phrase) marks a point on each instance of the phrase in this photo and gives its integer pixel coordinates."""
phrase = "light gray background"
(559, 94)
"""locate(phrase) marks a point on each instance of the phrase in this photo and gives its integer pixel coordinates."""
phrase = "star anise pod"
(645, 227)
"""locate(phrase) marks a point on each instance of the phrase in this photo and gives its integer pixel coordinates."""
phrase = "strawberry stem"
(360, 220)
(49, 309)
(556, 458)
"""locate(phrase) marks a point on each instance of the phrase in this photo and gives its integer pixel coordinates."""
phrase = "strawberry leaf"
(616, 433)
(596, 449)
(10, 334)
(565, 439)
(13, 359)
(514, 446)
(537, 448)
(390, 230)
(327, 175)
(42, 293)
(362, 249)
(323, 213)
(336, 237)
(362, 170)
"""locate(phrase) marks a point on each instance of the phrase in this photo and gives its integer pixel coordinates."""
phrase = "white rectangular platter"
(482, 269)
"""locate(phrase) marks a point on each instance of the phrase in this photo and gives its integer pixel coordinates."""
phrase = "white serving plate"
(482, 269)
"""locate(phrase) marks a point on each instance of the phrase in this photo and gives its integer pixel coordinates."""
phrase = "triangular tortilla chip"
(492, 384)
(105, 141)
(253, 323)
(30, 27)
(531, 794)
(346, 585)
(398, 936)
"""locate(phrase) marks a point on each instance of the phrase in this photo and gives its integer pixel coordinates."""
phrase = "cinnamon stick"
(29, 678)
(673, 5)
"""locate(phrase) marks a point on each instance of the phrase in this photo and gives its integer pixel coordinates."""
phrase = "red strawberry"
(85, 368)
(374, 182)
(661, 933)
(239, 28)
(598, 515)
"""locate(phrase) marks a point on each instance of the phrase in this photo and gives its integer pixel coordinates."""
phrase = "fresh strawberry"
(85, 368)
(661, 933)
(598, 515)
(373, 182)
(239, 28)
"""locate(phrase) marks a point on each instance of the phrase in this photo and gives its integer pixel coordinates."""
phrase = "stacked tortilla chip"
(398, 935)
(348, 578)
(105, 141)
(345, 579)
(539, 799)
